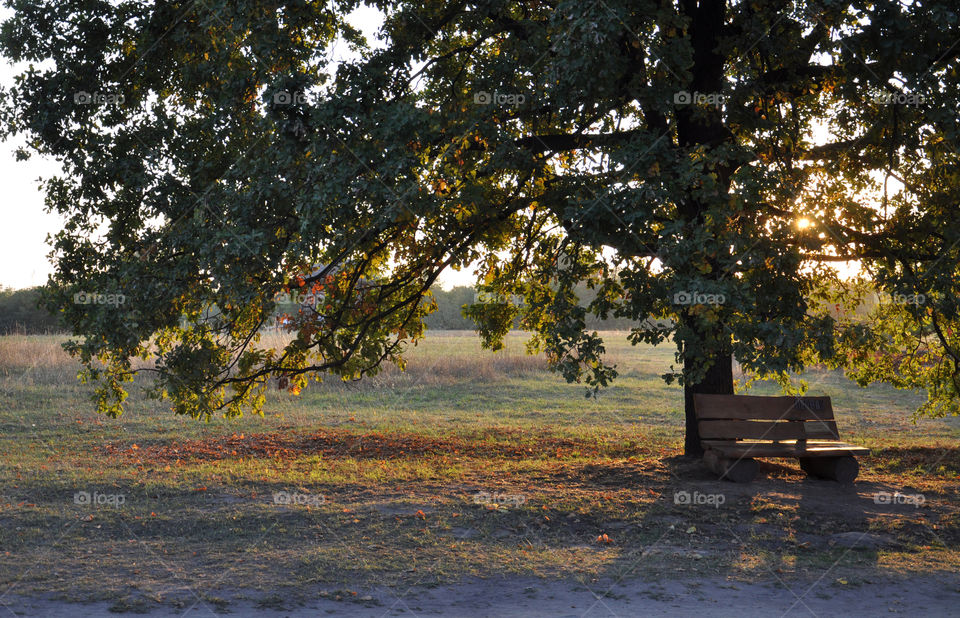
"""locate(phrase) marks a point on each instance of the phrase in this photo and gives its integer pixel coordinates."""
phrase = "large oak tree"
(700, 164)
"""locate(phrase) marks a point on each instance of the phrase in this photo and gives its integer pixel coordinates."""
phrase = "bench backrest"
(744, 417)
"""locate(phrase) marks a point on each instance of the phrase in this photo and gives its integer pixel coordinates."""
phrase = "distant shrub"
(20, 313)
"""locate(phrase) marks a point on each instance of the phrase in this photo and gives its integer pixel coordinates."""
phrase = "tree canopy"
(700, 165)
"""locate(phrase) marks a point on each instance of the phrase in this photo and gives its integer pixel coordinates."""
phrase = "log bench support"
(841, 469)
(741, 470)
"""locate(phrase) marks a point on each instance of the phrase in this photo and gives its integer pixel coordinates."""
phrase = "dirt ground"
(923, 596)
(876, 563)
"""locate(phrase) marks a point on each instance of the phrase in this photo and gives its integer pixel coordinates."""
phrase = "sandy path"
(927, 596)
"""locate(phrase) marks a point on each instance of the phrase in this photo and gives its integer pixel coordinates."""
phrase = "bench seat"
(787, 448)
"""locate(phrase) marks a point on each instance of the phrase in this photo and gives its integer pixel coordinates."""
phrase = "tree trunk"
(718, 381)
(697, 128)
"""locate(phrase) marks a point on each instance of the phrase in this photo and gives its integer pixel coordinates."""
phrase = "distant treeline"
(20, 313)
(448, 315)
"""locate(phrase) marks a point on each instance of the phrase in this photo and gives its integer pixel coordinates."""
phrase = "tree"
(699, 165)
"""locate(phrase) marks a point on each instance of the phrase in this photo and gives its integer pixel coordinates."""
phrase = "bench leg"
(841, 469)
(736, 470)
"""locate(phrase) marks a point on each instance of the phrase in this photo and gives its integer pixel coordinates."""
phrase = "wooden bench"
(736, 428)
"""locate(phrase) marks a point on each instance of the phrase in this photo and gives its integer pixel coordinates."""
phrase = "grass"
(468, 464)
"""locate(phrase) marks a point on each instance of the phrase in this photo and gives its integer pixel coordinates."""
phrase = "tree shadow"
(594, 518)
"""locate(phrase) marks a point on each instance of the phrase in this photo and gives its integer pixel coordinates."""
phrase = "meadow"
(469, 464)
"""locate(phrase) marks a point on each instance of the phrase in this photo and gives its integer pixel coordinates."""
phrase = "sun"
(804, 223)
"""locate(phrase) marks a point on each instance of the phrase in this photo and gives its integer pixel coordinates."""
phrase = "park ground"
(472, 484)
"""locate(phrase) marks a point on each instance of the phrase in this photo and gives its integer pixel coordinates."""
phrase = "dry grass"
(35, 360)
(18, 352)
(452, 356)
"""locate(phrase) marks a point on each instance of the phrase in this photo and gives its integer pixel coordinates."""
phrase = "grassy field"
(468, 464)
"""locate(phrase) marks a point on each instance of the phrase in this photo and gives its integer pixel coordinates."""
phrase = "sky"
(23, 250)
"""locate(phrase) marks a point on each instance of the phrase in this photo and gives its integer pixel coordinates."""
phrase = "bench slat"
(773, 452)
(766, 430)
(749, 407)
(818, 448)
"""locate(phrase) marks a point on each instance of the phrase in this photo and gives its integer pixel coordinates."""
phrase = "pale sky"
(23, 261)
